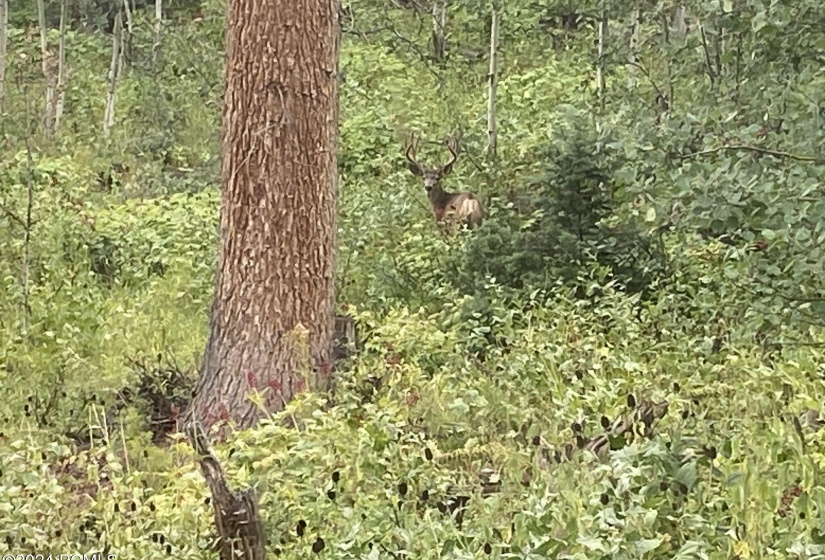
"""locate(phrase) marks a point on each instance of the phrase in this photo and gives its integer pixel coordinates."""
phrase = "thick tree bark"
(272, 317)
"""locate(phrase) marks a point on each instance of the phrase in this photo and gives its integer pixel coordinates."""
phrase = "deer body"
(454, 208)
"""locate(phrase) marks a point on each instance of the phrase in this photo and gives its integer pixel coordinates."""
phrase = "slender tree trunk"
(127, 44)
(27, 237)
(719, 43)
(709, 67)
(272, 316)
(28, 226)
(61, 68)
(439, 29)
(634, 45)
(679, 24)
(127, 10)
(492, 130)
(602, 42)
(665, 104)
(48, 70)
(4, 24)
(114, 74)
(158, 27)
(737, 69)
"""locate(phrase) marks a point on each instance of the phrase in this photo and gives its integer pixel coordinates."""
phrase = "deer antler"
(452, 144)
(411, 147)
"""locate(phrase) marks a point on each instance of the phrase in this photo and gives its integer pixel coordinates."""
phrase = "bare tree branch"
(755, 149)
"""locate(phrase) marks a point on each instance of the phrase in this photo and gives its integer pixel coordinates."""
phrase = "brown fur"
(448, 207)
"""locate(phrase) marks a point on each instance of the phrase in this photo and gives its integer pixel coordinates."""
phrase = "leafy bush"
(566, 218)
(140, 238)
(395, 464)
(487, 357)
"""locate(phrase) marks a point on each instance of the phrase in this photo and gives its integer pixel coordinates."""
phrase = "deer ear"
(447, 169)
(414, 169)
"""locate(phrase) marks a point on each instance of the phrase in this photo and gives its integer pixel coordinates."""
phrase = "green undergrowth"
(628, 256)
(416, 421)
(108, 279)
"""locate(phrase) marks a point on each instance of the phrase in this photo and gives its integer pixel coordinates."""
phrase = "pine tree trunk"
(272, 316)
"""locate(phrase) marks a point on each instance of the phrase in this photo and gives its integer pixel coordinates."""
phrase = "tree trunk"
(114, 74)
(600, 65)
(61, 68)
(4, 24)
(665, 100)
(635, 31)
(492, 131)
(439, 29)
(679, 24)
(158, 27)
(127, 44)
(48, 70)
(272, 316)
(720, 44)
(492, 77)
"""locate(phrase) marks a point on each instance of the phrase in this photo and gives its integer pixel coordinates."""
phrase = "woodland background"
(655, 234)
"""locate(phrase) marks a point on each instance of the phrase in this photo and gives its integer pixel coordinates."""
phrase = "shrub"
(567, 221)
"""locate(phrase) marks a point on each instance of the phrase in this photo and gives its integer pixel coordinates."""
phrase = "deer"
(448, 207)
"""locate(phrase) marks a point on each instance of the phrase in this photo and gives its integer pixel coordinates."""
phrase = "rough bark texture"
(272, 317)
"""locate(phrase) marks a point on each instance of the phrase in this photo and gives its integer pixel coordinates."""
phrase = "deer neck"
(439, 198)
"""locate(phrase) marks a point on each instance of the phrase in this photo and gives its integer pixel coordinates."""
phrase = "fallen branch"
(238, 523)
(11, 215)
(645, 414)
(345, 341)
(756, 149)
(639, 422)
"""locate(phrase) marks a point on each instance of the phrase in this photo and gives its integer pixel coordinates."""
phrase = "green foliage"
(669, 255)
(566, 219)
(413, 415)
(142, 238)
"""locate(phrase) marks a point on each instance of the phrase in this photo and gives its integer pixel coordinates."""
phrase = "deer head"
(454, 207)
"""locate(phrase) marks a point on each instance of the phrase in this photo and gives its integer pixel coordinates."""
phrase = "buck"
(454, 208)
